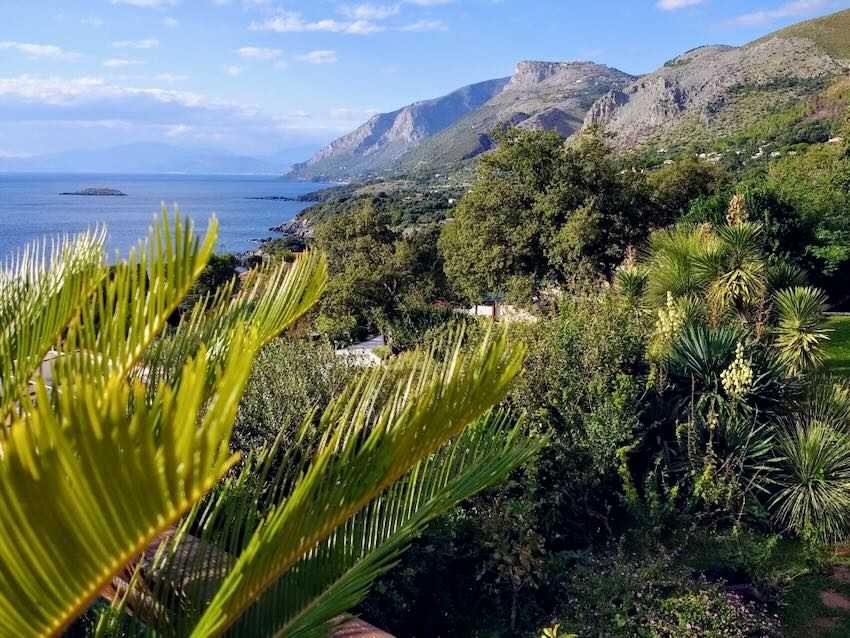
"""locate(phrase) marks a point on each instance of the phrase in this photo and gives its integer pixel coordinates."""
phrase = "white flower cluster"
(737, 379)
(670, 318)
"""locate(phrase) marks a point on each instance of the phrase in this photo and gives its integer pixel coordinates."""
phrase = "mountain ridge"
(705, 93)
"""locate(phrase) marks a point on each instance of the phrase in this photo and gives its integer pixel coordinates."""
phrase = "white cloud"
(37, 51)
(289, 22)
(318, 57)
(147, 43)
(92, 21)
(281, 64)
(232, 69)
(144, 3)
(117, 63)
(673, 5)
(68, 109)
(170, 77)
(793, 9)
(171, 23)
(424, 25)
(429, 3)
(258, 53)
(369, 11)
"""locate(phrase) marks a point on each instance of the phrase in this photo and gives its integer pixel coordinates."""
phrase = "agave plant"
(112, 447)
(799, 331)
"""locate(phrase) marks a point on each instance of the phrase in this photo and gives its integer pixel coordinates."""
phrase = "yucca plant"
(799, 330)
(733, 270)
(813, 495)
(111, 450)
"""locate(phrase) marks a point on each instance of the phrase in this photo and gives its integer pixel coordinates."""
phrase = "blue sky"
(256, 76)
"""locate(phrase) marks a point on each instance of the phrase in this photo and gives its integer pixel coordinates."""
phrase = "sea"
(31, 206)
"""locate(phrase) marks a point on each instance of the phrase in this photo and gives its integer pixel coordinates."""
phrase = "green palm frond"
(336, 574)
(41, 291)
(269, 301)
(97, 465)
(799, 332)
(364, 449)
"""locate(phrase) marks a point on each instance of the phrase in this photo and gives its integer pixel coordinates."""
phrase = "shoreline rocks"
(295, 227)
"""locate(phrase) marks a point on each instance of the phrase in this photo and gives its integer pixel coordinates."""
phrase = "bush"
(654, 597)
(290, 378)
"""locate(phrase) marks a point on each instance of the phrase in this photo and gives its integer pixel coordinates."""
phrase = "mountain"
(453, 128)
(540, 95)
(705, 94)
(714, 91)
(155, 158)
(381, 141)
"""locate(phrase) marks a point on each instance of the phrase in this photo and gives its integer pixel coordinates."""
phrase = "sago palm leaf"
(41, 291)
(312, 596)
(367, 445)
(98, 465)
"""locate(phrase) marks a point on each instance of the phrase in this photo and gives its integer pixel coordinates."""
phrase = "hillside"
(381, 141)
(540, 95)
(714, 91)
(709, 93)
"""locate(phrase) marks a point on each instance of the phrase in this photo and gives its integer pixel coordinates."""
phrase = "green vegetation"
(829, 32)
(656, 444)
(837, 350)
(119, 471)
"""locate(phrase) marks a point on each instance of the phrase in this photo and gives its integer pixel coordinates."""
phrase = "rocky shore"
(296, 227)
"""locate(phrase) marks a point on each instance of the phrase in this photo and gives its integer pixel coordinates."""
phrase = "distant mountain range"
(157, 158)
(707, 93)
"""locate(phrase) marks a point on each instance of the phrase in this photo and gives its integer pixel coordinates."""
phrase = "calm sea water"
(31, 206)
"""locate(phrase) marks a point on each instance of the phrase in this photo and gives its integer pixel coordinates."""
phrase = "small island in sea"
(98, 192)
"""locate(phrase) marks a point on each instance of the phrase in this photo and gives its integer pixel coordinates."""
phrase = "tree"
(375, 271)
(220, 270)
(113, 466)
(541, 210)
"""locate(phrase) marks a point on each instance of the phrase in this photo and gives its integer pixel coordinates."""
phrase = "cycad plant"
(115, 471)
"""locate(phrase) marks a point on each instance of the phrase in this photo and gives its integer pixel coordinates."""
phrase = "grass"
(802, 605)
(837, 359)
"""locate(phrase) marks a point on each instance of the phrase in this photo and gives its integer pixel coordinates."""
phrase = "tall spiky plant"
(800, 332)
(110, 448)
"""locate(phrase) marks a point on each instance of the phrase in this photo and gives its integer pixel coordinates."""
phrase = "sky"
(258, 76)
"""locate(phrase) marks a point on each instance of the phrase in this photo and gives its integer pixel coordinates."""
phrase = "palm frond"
(364, 450)
(337, 573)
(41, 291)
(100, 463)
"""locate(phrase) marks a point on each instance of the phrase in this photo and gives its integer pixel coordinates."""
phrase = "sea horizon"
(33, 206)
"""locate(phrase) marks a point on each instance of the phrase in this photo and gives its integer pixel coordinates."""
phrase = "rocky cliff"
(380, 142)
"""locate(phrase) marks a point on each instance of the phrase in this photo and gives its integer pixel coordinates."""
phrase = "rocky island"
(98, 192)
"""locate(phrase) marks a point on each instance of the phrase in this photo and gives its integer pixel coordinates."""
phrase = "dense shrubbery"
(675, 366)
